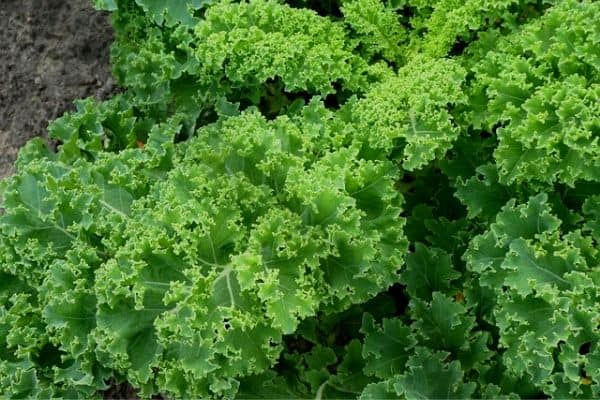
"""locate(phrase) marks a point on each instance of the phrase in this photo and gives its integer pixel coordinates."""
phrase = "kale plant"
(332, 199)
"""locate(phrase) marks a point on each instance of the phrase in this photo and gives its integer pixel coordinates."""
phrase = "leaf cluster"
(332, 199)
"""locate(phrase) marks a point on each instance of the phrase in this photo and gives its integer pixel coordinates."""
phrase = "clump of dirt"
(51, 53)
(124, 391)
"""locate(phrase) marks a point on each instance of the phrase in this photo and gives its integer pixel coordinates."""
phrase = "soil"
(120, 392)
(51, 53)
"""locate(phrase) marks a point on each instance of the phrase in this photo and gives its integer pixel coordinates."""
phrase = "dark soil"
(51, 53)
(120, 392)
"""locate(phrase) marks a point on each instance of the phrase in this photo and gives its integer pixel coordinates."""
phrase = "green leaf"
(531, 270)
(546, 102)
(173, 12)
(428, 270)
(272, 385)
(35, 214)
(530, 328)
(380, 390)
(408, 108)
(376, 26)
(487, 251)
(105, 5)
(482, 194)
(429, 377)
(255, 50)
(443, 323)
(387, 348)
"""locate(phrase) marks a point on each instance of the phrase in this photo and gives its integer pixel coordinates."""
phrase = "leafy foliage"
(291, 199)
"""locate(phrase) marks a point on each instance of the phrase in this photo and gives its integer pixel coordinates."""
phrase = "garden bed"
(359, 199)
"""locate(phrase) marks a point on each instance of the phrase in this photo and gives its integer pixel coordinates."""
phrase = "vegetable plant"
(332, 199)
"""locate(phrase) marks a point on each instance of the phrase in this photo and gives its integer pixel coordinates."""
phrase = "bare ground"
(51, 53)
